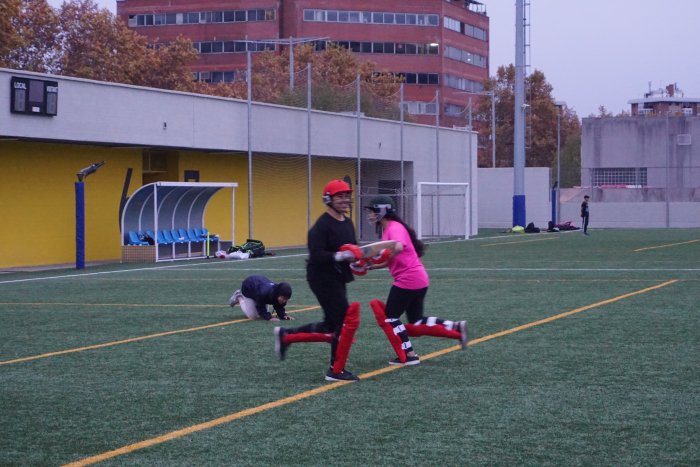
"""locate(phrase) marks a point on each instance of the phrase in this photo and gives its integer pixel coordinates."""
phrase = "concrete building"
(642, 170)
(437, 45)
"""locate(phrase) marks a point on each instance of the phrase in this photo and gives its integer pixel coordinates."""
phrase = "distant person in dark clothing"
(584, 214)
(257, 292)
(328, 272)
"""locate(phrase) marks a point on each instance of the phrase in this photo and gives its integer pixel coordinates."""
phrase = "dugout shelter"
(176, 208)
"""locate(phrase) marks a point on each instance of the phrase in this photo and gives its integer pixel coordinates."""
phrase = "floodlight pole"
(80, 213)
(560, 107)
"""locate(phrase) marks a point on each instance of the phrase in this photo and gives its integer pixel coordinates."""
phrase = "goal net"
(442, 210)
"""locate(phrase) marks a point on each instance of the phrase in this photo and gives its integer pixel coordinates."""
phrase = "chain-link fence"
(358, 98)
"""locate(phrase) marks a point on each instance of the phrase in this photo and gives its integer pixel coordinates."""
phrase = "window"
(378, 18)
(354, 17)
(331, 16)
(400, 18)
(626, 176)
(388, 18)
(420, 108)
(453, 109)
(378, 47)
(366, 47)
(217, 47)
(355, 46)
(451, 24)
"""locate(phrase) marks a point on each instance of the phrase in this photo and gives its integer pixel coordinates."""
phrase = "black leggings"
(410, 301)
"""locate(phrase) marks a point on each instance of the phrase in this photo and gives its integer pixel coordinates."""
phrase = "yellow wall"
(37, 197)
(37, 200)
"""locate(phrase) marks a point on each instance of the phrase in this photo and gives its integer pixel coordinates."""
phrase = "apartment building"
(437, 45)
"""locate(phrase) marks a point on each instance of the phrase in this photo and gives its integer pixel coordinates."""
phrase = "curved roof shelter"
(171, 205)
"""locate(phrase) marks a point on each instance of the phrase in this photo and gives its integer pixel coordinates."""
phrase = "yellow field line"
(521, 241)
(665, 246)
(135, 339)
(306, 394)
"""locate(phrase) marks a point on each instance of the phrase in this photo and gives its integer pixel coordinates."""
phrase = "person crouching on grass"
(409, 288)
(257, 292)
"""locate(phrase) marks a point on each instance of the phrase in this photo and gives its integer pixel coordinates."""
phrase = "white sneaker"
(235, 298)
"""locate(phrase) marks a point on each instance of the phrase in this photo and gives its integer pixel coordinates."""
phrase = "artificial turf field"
(584, 351)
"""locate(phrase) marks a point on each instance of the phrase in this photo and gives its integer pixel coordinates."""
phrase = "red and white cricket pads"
(378, 307)
(347, 334)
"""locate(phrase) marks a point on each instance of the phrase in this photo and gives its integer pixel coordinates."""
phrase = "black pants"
(410, 301)
(333, 297)
(584, 220)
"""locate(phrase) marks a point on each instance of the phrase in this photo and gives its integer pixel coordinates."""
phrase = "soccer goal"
(442, 210)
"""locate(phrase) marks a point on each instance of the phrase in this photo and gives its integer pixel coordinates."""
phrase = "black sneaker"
(280, 346)
(464, 331)
(414, 360)
(344, 375)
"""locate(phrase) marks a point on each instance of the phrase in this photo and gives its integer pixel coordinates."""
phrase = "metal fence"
(358, 98)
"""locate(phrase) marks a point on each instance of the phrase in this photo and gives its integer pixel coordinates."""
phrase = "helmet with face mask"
(381, 206)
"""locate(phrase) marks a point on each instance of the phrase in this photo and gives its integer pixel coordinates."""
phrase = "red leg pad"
(378, 308)
(437, 330)
(307, 337)
(347, 334)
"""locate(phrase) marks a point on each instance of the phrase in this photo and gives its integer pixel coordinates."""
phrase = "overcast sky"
(597, 52)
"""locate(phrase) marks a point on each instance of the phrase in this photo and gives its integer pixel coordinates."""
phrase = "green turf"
(616, 384)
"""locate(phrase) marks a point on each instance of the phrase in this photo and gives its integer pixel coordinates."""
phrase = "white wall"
(634, 215)
(495, 197)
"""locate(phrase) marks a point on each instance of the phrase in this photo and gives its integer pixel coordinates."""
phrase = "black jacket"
(325, 238)
(264, 292)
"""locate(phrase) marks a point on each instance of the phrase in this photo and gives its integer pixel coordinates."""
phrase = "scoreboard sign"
(33, 96)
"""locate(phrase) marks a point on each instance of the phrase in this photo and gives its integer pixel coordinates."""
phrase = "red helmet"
(334, 187)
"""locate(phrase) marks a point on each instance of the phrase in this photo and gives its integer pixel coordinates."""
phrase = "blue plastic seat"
(192, 235)
(165, 233)
(205, 232)
(177, 238)
(190, 238)
(135, 240)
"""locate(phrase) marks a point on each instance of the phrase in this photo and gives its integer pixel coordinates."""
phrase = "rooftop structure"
(665, 101)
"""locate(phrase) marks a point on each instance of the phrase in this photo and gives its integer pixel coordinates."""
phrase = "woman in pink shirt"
(409, 288)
